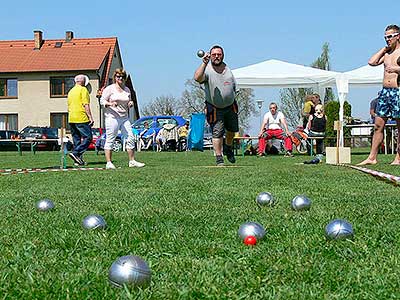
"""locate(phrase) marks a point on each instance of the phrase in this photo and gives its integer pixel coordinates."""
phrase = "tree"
(323, 63)
(332, 114)
(163, 105)
(193, 99)
(292, 99)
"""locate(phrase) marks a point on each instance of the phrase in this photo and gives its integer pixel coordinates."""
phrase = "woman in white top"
(116, 99)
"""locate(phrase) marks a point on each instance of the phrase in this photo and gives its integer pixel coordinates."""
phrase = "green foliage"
(332, 114)
(181, 215)
(292, 102)
(292, 99)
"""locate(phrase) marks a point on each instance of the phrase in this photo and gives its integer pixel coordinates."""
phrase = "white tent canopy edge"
(280, 74)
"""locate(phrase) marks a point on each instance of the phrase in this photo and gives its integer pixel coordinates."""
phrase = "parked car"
(36, 132)
(156, 123)
(96, 132)
(8, 135)
(99, 146)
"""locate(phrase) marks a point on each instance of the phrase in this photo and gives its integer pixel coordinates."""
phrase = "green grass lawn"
(181, 214)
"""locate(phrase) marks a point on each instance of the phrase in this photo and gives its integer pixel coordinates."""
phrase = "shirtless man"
(389, 98)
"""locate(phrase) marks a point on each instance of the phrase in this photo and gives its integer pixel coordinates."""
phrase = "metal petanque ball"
(339, 230)
(251, 229)
(129, 270)
(94, 222)
(265, 199)
(200, 53)
(301, 202)
(45, 205)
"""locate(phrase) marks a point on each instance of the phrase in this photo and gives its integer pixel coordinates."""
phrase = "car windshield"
(140, 124)
(31, 130)
(52, 131)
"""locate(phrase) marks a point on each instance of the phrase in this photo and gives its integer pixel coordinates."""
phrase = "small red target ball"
(250, 240)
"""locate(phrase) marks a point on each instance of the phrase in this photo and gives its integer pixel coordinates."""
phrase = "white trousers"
(112, 127)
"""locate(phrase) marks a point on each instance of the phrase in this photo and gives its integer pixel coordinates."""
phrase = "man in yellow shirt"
(80, 119)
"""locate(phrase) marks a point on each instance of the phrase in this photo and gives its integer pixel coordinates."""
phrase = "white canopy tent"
(280, 74)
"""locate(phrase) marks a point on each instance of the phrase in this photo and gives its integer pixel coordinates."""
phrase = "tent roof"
(276, 73)
(365, 75)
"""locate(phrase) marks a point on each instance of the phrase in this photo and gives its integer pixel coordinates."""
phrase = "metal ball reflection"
(201, 53)
(251, 229)
(94, 222)
(265, 199)
(339, 229)
(129, 270)
(45, 205)
(301, 202)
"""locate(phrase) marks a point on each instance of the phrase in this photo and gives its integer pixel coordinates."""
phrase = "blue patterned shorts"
(389, 103)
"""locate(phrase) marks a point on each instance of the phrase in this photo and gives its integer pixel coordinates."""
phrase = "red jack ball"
(250, 240)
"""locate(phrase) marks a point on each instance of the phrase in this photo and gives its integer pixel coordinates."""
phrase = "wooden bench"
(241, 140)
(33, 143)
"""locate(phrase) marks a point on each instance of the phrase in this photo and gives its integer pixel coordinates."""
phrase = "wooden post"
(337, 127)
(63, 163)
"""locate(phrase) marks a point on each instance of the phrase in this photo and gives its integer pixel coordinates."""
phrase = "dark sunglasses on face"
(390, 36)
(120, 76)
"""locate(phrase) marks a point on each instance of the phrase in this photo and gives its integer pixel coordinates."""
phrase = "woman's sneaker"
(110, 166)
(134, 163)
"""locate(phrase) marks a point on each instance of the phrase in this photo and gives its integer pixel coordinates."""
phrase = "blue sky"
(159, 39)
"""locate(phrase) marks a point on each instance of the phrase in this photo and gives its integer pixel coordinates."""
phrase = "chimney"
(38, 37)
(69, 35)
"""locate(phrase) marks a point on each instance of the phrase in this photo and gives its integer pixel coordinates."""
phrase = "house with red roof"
(36, 75)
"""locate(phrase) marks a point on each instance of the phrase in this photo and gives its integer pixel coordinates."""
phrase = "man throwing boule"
(221, 107)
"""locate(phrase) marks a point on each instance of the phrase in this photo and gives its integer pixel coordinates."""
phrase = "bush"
(332, 114)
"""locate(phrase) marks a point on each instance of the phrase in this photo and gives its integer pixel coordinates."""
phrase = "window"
(163, 121)
(60, 86)
(8, 88)
(8, 122)
(59, 120)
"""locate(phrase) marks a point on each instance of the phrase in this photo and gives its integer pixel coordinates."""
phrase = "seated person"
(146, 137)
(272, 128)
(317, 127)
(183, 132)
(372, 109)
(160, 140)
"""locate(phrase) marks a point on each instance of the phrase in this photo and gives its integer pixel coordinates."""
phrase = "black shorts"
(221, 119)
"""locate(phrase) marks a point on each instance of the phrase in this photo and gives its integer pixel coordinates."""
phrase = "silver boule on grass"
(301, 202)
(251, 229)
(45, 205)
(94, 222)
(339, 230)
(265, 199)
(129, 270)
(201, 53)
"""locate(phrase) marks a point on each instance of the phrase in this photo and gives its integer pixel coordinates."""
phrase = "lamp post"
(260, 104)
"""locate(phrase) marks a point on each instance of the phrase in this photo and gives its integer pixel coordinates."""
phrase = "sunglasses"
(390, 36)
(120, 76)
